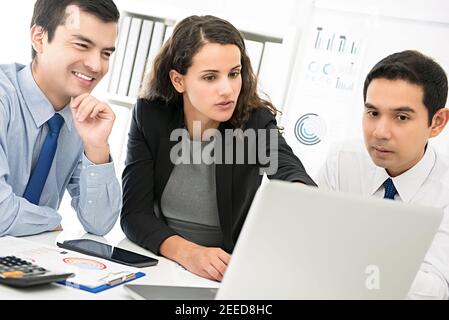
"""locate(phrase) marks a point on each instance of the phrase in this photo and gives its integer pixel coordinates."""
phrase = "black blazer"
(148, 168)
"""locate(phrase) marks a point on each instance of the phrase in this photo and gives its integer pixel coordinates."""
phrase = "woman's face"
(212, 85)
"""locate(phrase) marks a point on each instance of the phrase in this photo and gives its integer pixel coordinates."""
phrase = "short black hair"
(49, 14)
(415, 68)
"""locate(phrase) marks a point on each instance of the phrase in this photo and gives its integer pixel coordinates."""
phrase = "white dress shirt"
(349, 168)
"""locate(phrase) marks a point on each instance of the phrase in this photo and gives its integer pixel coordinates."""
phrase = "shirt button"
(92, 174)
(89, 202)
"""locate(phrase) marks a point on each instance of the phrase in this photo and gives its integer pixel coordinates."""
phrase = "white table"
(165, 273)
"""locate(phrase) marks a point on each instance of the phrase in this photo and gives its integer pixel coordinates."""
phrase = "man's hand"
(209, 263)
(93, 120)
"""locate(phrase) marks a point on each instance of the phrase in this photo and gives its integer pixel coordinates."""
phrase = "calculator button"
(13, 274)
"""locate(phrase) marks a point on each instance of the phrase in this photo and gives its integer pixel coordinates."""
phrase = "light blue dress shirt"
(95, 190)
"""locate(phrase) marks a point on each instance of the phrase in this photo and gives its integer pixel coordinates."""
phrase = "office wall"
(15, 20)
(264, 15)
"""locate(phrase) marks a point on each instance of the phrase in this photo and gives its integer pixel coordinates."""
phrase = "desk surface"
(165, 273)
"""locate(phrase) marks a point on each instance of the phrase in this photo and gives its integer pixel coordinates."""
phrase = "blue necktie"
(390, 189)
(36, 183)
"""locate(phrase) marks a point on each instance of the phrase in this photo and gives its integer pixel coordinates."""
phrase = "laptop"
(300, 242)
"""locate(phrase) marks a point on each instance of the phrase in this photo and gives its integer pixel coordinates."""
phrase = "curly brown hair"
(188, 37)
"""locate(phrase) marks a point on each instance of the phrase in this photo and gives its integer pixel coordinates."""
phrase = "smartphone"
(105, 251)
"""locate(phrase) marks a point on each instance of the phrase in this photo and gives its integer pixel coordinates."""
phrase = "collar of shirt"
(408, 183)
(37, 103)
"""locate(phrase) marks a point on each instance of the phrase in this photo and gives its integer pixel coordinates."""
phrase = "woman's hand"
(209, 263)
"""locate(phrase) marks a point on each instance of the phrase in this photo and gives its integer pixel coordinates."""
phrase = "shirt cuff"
(98, 174)
(428, 286)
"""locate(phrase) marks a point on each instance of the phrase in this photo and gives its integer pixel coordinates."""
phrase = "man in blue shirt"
(53, 133)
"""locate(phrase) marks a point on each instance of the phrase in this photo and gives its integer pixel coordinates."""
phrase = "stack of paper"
(91, 274)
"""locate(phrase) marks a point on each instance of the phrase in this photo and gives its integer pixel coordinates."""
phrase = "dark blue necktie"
(390, 189)
(36, 183)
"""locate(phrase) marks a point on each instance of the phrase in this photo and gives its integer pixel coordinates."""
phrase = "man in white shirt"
(405, 94)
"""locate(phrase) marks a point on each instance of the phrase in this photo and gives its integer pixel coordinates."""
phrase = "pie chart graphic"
(310, 129)
(85, 263)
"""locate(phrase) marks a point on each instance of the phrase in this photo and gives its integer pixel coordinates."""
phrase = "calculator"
(17, 272)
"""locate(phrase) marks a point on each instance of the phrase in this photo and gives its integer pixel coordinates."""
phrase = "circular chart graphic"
(85, 263)
(310, 129)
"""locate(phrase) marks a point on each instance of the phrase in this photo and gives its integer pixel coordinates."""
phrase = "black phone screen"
(108, 252)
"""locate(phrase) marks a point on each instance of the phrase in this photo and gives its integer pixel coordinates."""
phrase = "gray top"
(189, 200)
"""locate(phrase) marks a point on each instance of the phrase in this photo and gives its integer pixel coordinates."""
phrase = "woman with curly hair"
(200, 98)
